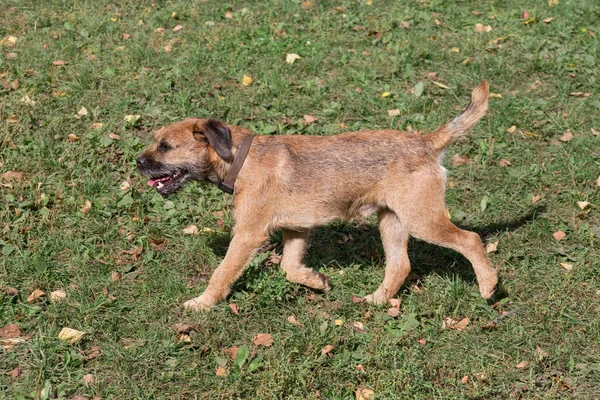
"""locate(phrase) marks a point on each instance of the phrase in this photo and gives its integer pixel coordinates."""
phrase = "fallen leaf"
(115, 276)
(70, 336)
(134, 253)
(479, 28)
(292, 320)
(437, 22)
(221, 371)
(326, 349)
(308, 119)
(57, 296)
(338, 322)
(583, 204)
(393, 312)
(360, 368)
(512, 129)
(595, 132)
(132, 119)
(552, 3)
(394, 113)
(458, 160)
(15, 373)
(364, 394)
(87, 206)
(263, 339)
(93, 352)
(504, 162)
(125, 36)
(357, 299)
(114, 136)
(12, 176)
(525, 14)
(464, 379)
(491, 247)
(598, 181)
(96, 125)
(59, 62)
(72, 138)
(559, 235)
(441, 85)
(567, 266)
(495, 95)
(88, 379)
(536, 198)
(234, 308)
(8, 41)
(125, 185)
(10, 331)
(540, 354)
(36, 294)
(228, 14)
(455, 50)
(232, 352)
(453, 324)
(422, 341)
(385, 94)
(184, 338)
(476, 13)
(190, 230)
(181, 328)
(15, 84)
(247, 81)
(358, 325)
(548, 20)
(462, 324)
(291, 57)
(566, 137)
(404, 24)
(522, 364)
(13, 119)
(177, 28)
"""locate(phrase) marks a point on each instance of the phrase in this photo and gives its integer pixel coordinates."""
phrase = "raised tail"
(444, 136)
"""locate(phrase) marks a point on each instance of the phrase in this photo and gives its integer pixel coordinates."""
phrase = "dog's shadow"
(360, 244)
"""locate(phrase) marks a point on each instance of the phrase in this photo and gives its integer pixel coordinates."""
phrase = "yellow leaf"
(385, 94)
(496, 95)
(8, 41)
(512, 129)
(36, 294)
(552, 3)
(339, 322)
(440, 85)
(247, 81)
(70, 336)
(455, 50)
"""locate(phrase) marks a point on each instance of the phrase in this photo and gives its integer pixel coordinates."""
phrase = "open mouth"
(168, 184)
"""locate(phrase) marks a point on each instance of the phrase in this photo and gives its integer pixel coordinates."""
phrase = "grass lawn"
(80, 220)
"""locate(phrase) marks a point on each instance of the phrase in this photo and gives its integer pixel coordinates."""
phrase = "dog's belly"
(311, 216)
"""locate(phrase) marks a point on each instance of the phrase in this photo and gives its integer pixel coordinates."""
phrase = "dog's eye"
(163, 147)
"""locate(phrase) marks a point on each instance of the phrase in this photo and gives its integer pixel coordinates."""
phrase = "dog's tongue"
(153, 182)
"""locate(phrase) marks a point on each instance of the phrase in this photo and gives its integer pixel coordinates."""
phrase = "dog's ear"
(218, 136)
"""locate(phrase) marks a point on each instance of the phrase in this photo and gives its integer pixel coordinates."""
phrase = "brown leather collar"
(238, 161)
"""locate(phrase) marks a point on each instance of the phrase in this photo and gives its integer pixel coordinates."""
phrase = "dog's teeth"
(159, 185)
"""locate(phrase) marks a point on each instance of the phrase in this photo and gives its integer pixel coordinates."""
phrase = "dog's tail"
(444, 136)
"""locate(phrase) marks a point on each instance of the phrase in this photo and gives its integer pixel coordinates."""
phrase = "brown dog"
(295, 183)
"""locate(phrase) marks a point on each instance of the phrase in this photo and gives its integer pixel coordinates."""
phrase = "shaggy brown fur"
(295, 183)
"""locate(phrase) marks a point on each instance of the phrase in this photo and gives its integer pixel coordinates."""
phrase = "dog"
(294, 183)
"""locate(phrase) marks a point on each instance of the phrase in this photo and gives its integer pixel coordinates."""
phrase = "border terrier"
(295, 183)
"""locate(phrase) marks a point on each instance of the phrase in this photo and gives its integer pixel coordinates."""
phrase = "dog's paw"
(198, 304)
(487, 286)
(324, 282)
(376, 298)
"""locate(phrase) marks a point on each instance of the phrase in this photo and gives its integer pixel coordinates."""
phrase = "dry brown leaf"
(114, 136)
(12, 176)
(522, 364)
(559, 235)
(96, 125)
(476, 13)
(308, 119)
(457, 160)
(15, 84)
(491, 247)
(115, 276)
(291, 57)
(357, 299)
(512, 129)
(247, 80)
(58, 295)
(479, 28)
(263, 339)
(234, 308)
(36, 294)
(453, 324)
(404, 24)
(70, 336)
(393, 312)
(437, 22)
(59, 62)
(13, 119)
(88, 379)
(465, 379)
(184, 338)
(364, 394)
(15, 373)
(583, 204)
(221, 371)
(190, 230)
(595, 132)
(177, 28)
(540, 354)
(87, 206)
(525, 15)
(567, 266)
(598, 181)
(536, 198)
(548, 20)
(93, 352)
(422, 341)
(358, 325)
(504, 162)
(10, 331)
(462, 324)
(181, 328)
(566, 137)
(327, 349)
(292, 320)
(72, 138)
(360, 368)
(228, 14)
(394, 113)
(232, 352)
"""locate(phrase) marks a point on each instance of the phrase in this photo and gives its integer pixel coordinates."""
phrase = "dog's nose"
(141, 161)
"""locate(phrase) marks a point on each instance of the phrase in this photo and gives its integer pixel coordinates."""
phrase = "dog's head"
(193, 149)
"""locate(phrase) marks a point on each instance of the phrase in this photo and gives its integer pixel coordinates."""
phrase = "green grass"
(48, 243)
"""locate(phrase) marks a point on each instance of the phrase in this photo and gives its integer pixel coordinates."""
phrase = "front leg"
(242, 248)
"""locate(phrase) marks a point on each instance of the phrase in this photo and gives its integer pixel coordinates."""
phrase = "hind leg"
(397, 265)
(294, 247)
(423, 212)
